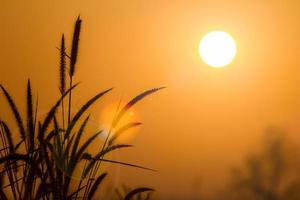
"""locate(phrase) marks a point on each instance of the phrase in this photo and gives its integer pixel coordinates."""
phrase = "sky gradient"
(207, 119)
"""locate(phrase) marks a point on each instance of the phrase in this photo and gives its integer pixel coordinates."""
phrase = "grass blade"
(101, 154)
(85, 146)
(83, 109)
(121, 130)
(136, 191)
(96, 185)
(77, 157)
(126, 164)
(75, 193)
(8, 137)
(78, 137)
(30, 118)
(132, 103)
(52, 112)
(15, 112)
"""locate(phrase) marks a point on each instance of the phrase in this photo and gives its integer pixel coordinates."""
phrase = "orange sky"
(207, 119)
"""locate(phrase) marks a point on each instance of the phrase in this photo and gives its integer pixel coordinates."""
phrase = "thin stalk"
(12, 176)
(70, 100)
(35, 113)
(97, 165)
(7, 169)
(80, 183)
(17, 180)
(63, 120)
(106, 140)
(69, 108)
(63, 114)
(5, 147)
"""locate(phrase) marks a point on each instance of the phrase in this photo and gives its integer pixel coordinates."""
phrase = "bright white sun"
(217, 49)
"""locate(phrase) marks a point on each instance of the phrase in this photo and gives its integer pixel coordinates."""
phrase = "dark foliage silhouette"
(38, 159)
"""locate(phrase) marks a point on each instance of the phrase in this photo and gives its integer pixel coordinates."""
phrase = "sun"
(217, 49)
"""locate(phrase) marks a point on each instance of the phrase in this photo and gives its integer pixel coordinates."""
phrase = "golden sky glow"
(207, 119)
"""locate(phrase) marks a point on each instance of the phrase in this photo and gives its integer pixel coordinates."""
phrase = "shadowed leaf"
(133, 102)
(96, 185)
(78, 137)
(76, 192)
(43, 190)
(30, 118)
(77, 157)
(136, 191)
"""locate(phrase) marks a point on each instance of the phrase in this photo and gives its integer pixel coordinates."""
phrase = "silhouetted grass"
(39, 159)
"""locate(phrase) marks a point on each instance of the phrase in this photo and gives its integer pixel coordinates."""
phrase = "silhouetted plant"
(267, 176)
(41, 163)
